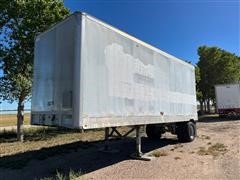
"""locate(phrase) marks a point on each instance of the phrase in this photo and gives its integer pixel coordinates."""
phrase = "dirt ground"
(213, 155)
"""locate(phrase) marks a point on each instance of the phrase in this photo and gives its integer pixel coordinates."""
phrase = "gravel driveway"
(194, 160)
(213, 155)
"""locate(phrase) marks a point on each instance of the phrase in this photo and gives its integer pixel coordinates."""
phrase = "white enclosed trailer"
(228, 99)
(88, 74)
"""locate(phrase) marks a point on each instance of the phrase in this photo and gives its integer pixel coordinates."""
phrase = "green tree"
(20, 21)
(198, 90)
(216, 66)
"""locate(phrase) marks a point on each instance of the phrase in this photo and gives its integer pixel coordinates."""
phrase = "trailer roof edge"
(118, 31)
(136, 39)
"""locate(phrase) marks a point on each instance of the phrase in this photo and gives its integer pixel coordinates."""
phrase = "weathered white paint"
(89, 74)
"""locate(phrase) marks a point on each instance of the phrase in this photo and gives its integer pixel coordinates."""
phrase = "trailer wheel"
(186, 132)
(153, 131)
(222, 116)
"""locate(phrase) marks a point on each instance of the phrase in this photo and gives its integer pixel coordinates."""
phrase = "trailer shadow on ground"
(214, 119)
(80, 156)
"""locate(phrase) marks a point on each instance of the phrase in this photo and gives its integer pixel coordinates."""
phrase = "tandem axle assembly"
(185, 131)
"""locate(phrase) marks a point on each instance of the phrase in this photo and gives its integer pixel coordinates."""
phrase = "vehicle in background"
(228, 99)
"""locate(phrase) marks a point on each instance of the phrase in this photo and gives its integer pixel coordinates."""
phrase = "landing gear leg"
(138, 142)
(138, 154)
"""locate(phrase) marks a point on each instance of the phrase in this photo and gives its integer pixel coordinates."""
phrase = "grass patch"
(205, 137)
(178, 146)
(11, 119)
(159, 153)
(19, 161)
(72, 175)
(35, 134)
(213, 150)
(177, 158)
(44, 142)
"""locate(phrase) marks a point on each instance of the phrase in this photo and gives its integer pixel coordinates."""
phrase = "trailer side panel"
(127, 83)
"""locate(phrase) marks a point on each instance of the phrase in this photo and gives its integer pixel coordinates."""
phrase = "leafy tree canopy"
(20, 21)
(215, 66)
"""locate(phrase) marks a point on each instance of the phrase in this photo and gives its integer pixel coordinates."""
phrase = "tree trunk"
(201, 107)
(205, 106)
(208, 106)
(215, 107)
(20, 118)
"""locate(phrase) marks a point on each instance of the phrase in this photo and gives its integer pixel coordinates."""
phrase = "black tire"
(186, 132)
(154, 132)
(222, 116)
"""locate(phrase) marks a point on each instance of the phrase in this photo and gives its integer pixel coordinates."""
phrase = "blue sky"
(177, 27)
